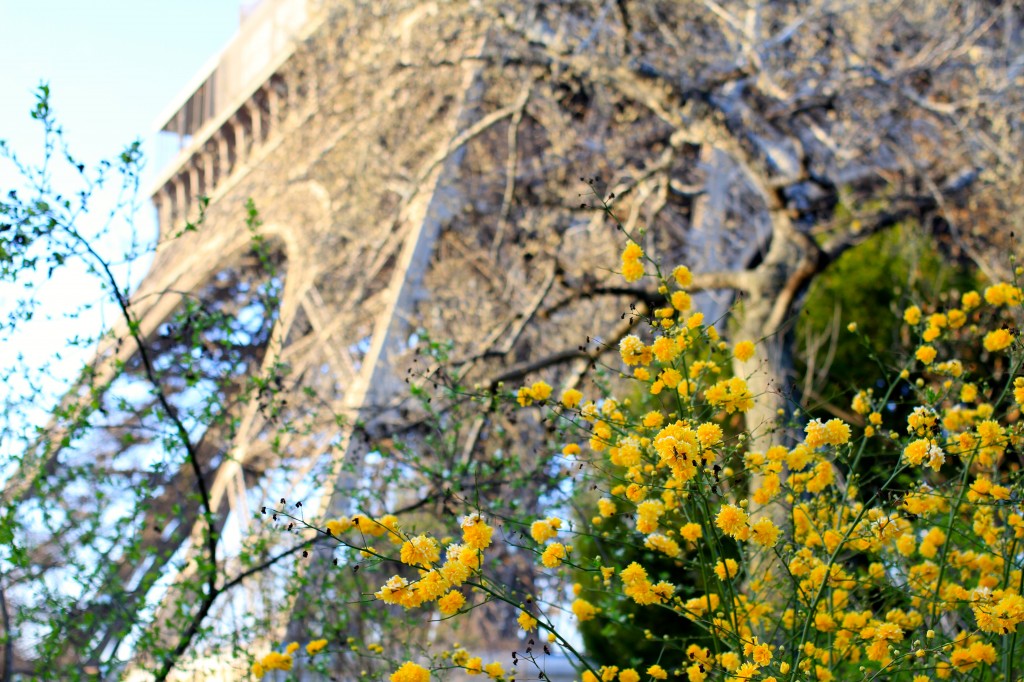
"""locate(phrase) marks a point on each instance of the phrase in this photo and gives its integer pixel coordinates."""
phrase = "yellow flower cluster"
(884, 543)
(438, 581)
(632, 266)
(410, 672)
(542, 531)
(666, 464)
(643, 591)
(730, 394)
(554, 554)
(539, 392)
(284, 661)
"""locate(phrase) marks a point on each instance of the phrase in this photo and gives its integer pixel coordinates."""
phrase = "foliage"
(885, 273)
(100, 497)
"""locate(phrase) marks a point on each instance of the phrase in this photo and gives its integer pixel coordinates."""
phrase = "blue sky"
(113, 67)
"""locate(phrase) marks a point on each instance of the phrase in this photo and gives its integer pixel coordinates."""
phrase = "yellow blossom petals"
(410, 672)
(744, 350)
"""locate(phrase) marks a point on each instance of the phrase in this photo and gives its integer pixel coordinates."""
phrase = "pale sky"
(113, 66)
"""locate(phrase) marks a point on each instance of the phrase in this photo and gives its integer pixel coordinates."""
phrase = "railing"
(264, 37)
(232, 107)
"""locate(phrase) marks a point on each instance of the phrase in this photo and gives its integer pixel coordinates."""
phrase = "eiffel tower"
(416, 171)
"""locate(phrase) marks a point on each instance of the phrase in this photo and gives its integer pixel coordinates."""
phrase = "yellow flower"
(906, 544)
(731, 520)
(970, 300)
(451, 602)
(1003, 293)
(730, 394)
(744, 350)
(395, 591)
(410, 672)
(691, 532)
(663, 544)
(632, 252)
(968, 393)
(421, 550)
(997, 340)
(469, 556)
(912, 315)
(454, 570)
(999, 617)
(632, 267)
(526, 621)
(635, 493)
(632, 270)
(583, 610)
(665, 349)
(653, 420)
(389, 524)
(670, 376)
(540, 390)
(697, 672)
(760, 653)
(276, 661)
(338, 526)
(709, 434)
(748, 671)
(649, 513)
(571, 398)
(542, 531)
(634, 352)
(682, 275)
(629, 675)
(553, 555)
(765, 533)
(494, 670)
(727, 569)
(861, 402)
(833, 432)
(632, 574)
(837, 432)
(926, 354)
(315, 646)
(475, 531)
(681, 301)
(657, 672)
